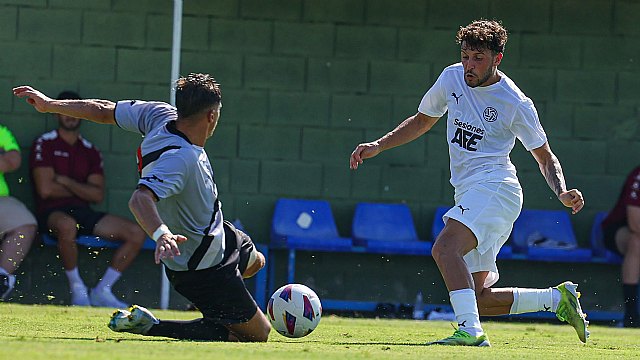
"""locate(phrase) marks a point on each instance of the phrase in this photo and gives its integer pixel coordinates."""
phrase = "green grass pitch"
(55, 332)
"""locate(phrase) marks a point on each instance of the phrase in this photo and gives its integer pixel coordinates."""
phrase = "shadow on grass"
(94, 339)
(361, 343)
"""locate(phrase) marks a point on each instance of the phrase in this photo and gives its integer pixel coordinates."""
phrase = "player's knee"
(255, 264)
(263, 334)
(65, 230)
(440, 251)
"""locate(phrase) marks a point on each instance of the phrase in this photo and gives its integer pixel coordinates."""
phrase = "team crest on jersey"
(490, 114)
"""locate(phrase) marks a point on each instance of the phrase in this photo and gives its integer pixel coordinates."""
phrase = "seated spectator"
(17, 224)
(621, 229)
(68, 177)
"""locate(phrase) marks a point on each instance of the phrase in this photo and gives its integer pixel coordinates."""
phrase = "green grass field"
(56, 332)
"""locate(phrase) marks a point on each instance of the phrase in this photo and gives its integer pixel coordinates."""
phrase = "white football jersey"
(482, 126)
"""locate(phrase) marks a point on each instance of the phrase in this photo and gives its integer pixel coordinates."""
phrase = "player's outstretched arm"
(552, 172)
(143, 206)
(99, 111)
(409, 130)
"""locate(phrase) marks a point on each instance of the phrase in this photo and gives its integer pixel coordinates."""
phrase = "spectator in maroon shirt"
(68, 177)
(621, 229)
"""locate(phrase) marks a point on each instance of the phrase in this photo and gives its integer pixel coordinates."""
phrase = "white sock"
(109, 278)
(532, 300)
(465, 306)
(74, 277)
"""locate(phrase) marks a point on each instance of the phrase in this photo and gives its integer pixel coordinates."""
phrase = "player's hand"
(573, 199)
(34, 97)
(363, 151)
(167, 246)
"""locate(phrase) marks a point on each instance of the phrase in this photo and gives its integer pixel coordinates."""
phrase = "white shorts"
(489, 211)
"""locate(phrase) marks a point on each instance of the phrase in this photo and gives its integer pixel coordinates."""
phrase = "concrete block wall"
(304, 81)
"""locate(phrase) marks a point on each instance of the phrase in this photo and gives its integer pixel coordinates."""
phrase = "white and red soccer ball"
(294, 310)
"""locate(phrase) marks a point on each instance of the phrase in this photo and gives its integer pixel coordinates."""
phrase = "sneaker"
(136, 320)
(6, 285)
(104, 297)
(462, 338)
(79, 295)
(569, 309)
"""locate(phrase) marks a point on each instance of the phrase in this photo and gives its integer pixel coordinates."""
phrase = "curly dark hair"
(483, 34)
(195, 93)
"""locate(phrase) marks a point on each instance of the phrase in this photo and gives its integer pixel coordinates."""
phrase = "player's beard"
(481, 80)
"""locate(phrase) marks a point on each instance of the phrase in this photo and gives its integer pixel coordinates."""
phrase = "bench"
(309, 225)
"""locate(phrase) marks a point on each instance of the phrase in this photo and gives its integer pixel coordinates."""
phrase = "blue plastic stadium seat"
(438, 224)
(550, 226)
(306, 225)
(600, 252)
(96, 242)
(505, 251)
(387, 229)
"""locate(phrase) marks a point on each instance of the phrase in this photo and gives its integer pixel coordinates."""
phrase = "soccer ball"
(294, 310)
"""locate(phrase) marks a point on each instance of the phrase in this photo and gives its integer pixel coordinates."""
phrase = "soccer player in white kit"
(486, 113)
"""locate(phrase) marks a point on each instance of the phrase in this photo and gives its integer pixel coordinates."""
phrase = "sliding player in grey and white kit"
(487, 112)
(207, 257)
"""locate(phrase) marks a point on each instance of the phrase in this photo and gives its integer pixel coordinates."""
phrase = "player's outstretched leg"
(136, 320)
(462, 338)
(569, 309)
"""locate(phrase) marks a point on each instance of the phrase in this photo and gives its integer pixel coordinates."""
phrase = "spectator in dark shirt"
(68, 177)
(621, 229)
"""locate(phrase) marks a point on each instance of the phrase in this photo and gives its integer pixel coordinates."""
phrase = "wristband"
(161, 230)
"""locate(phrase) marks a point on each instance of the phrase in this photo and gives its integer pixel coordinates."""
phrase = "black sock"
(198, 329)
(630, 292)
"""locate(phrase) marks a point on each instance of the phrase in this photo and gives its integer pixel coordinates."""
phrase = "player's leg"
(113, 228)
(448, 251)
(491, 301)
(628, 244)
(65, 229)
(251, 260)
(17, 230)
(255, 330)
(242, 320)
(138, 320)
(561, 299)
(15, 246)
(256, 263)
(230, 313)
(474, 231)
(116, 228)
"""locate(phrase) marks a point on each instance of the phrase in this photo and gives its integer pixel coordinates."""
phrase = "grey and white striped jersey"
(181, 177)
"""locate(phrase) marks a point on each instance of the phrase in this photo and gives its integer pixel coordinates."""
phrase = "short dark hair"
(483, 34)
(68, 95)
(195, 93)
